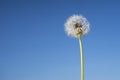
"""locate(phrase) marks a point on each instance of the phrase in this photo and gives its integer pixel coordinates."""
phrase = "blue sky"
(34, 45)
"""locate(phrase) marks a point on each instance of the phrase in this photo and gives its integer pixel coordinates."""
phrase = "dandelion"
(78, 26)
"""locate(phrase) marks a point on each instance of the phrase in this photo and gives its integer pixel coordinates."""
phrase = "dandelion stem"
(81, 57)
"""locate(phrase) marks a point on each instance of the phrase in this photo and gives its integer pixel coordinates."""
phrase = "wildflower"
(77, 26)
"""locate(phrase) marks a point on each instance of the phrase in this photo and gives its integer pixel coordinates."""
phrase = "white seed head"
(77, 24)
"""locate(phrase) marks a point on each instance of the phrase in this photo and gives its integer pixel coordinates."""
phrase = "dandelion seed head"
(77, 24)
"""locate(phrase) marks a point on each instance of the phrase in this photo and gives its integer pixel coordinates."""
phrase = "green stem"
(81, 58)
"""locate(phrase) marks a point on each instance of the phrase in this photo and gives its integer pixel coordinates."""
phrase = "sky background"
(34, 45)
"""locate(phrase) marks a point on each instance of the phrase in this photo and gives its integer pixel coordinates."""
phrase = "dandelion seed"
(77, 24)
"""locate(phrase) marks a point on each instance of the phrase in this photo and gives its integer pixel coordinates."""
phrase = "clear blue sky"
(34, 45)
